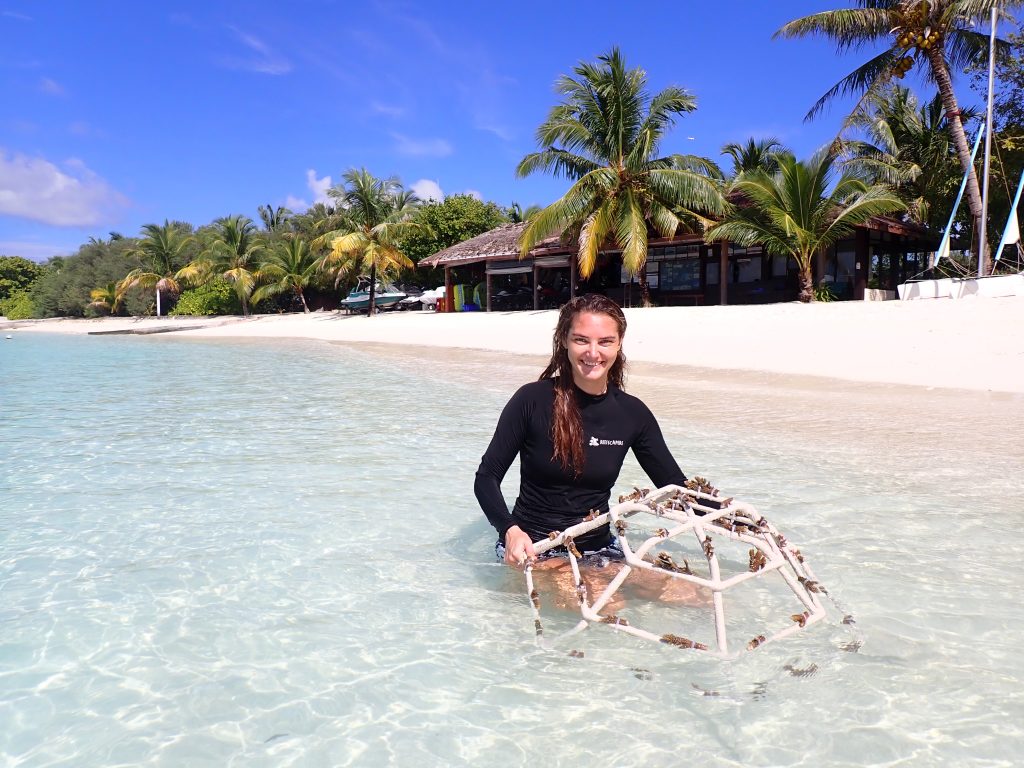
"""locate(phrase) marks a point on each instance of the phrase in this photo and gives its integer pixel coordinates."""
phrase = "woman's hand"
(518, 547)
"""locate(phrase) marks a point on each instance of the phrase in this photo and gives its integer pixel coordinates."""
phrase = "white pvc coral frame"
(705, 516)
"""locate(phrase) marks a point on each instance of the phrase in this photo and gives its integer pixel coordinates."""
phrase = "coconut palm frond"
(604, 135)
(860, 80)
(850, 28)
(631, 234)
(594, 234)
(682, 188)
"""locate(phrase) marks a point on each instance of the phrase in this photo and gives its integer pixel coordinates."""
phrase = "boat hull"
(360, 301)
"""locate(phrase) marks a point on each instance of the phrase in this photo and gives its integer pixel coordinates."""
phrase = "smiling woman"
(571, 431)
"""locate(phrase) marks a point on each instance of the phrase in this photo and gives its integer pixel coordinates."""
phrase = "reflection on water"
(255, 553)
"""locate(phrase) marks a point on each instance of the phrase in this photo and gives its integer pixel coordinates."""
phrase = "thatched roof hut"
(502, 242)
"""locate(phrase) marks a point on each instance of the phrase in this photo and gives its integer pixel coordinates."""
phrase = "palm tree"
(794, 213)
(754, 155)
(909, 148)
(377, 214)
(290, 266)
(934, 35)
(315, 221)
(107, 298)
(517, 214)
(231, 253)
(605, 137)
(273, 218)
(162, 248)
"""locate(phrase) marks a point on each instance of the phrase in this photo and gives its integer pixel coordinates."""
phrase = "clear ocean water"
(269, 554)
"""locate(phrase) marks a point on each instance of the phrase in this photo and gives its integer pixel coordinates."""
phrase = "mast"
(982, 236)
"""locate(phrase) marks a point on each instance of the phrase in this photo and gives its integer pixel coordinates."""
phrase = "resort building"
(681, 270)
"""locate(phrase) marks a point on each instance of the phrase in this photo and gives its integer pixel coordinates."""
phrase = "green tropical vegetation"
(215, 297)
(274, 219)
(290, 266)
(162, 250)
(17, 275)
(935, 37)
(231, 251)
(898, 151)
(443, 224)
(107, 299)
(377, 214)
(801, 209)
(1008, 139)
(908, 147)
(604, 136)
(755, 154)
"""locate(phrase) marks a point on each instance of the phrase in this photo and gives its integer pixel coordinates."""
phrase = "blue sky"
(116, 114)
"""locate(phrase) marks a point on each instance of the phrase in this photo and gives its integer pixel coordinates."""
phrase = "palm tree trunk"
(302, 297)
(373, 290)
(940, 71)
(645, 289)
(806, 280)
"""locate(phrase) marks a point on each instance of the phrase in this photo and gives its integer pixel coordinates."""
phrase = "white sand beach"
(975, 344)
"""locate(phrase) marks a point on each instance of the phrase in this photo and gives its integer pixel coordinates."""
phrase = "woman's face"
(593, 345)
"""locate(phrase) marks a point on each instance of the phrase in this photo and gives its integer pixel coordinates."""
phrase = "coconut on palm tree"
(605, 137)
(935, 36)
(377, 214)
(289, 266)
(162, 248)
(797, 211)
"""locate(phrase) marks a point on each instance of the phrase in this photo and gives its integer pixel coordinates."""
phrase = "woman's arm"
(653, 454)
(501, 452)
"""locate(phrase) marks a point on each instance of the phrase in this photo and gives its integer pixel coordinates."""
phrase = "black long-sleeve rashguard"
(550, 498)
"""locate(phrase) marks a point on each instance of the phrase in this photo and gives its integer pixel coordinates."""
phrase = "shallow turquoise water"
(269, 554)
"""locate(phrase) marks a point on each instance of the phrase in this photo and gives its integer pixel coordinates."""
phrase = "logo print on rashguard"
(595, 442)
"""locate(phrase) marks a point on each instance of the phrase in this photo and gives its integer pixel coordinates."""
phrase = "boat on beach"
(358, 300)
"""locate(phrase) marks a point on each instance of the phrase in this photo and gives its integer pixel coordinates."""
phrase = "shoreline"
(972, 344)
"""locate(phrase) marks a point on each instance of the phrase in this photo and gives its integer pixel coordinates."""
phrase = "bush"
(18, 306)
(824, 292)
(216, 297)
(17, 275)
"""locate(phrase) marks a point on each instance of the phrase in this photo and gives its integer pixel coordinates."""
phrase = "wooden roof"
(502, 242)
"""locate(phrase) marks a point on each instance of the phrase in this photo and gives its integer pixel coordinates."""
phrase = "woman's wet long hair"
(566, 421)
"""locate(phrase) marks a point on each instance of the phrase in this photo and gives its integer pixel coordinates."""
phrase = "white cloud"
(295, 204)
(315, 185)
(388, 110)
(265, 61)
(405, 145)
(52, 87)
(474, 194)
(426, 189)
(34, 188)
(15, 15)
(318, 187)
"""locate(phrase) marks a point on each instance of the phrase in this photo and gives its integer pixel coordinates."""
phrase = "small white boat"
(384, 297)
